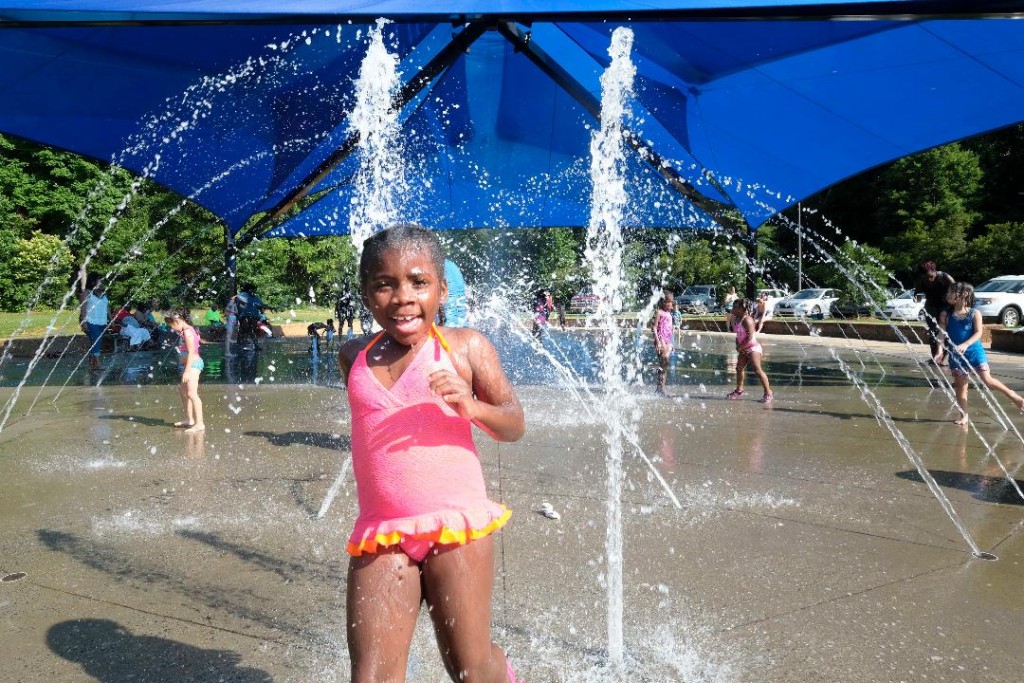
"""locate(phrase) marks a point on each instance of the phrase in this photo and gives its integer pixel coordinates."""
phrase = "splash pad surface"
(807, 548)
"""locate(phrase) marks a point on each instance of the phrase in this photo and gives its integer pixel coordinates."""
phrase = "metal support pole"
(799, 247)
(231, 266)
(230, 262)
(751, 248)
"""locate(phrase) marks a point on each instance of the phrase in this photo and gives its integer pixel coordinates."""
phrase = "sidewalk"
(807, 547)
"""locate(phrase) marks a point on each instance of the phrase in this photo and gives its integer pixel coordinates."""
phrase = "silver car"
(906, 306)
(1002, 299)
(814, 302)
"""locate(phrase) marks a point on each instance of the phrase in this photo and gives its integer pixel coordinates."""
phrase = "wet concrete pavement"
(807, 548)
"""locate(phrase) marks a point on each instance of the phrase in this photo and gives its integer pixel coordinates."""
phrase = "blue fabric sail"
(242, 107)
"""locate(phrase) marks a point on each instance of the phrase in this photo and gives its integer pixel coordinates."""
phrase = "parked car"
(1001, 299)
(906, 306)
(774, 297)
(584, 301)
(698, 299)
(816, 301)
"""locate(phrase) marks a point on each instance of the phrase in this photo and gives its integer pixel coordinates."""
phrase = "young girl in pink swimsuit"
(749, 349)
(425, 525)
(191, 365)
(664, 337)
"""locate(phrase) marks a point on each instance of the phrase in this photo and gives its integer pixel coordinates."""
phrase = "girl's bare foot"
(195, 428)
(962, 420)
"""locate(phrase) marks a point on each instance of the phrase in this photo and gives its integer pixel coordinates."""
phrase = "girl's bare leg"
(457, 584)
(185, 406)
(755, 361)
(381, 608)
(960, 389)
(195, 412)
(663, 362)
(994, 384)
(741, 370)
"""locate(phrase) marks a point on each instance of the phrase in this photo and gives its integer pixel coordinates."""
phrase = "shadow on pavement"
(111, 654)
(317, 439)
(138, 419)
(984, 488)
(327, 571)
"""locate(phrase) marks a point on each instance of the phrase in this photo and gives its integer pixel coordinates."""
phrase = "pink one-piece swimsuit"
(747, 346)
(663, 327)
(417, 472)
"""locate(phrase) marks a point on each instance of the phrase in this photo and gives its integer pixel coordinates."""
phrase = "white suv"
(1001, 298)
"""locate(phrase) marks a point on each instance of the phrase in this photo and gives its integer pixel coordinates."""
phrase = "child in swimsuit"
(329, 333)
(191, 365)
(962, 326)
(425, 524)
(663, 337)
(749, 349)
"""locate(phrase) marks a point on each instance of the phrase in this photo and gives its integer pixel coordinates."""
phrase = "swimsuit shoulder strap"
(373, 341)
(434, 331)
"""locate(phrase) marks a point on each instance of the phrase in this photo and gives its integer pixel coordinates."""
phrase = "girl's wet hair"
(177, 314)
(747, 304)
(963, 291)
(405, 236)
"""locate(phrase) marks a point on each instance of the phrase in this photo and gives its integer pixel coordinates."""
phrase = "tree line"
(960, 205)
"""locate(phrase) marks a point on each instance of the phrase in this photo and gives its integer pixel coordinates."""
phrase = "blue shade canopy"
(244, 108)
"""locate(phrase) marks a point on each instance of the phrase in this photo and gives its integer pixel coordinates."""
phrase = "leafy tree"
(702, 260)
(1001, 155)
(284, 270)
(518, 262)
(1000, 251)
(857, 271)
(321, 265)
(557, 264)
(776, 264)
(30, 261)
(928, 207)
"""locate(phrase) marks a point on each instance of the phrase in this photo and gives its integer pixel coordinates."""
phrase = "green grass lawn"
(34, 324)
(307, 315)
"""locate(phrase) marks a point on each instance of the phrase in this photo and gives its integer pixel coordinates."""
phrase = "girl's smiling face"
(404, 293)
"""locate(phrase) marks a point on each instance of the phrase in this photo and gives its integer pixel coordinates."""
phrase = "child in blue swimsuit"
(962, 325)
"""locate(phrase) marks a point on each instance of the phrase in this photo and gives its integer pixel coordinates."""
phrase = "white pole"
(799, 248)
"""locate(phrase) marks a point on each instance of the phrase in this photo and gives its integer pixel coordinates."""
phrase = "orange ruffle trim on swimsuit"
(445, 532)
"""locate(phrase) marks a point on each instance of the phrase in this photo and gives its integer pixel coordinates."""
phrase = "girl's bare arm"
(976, 314)
(347, 355)
(751, 328)
(486, 397)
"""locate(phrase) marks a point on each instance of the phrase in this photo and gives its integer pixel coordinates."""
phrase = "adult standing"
(729, 300)
(94, 316)
(250, 307)
(933, 284)
(345, 310)
(231, 309)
